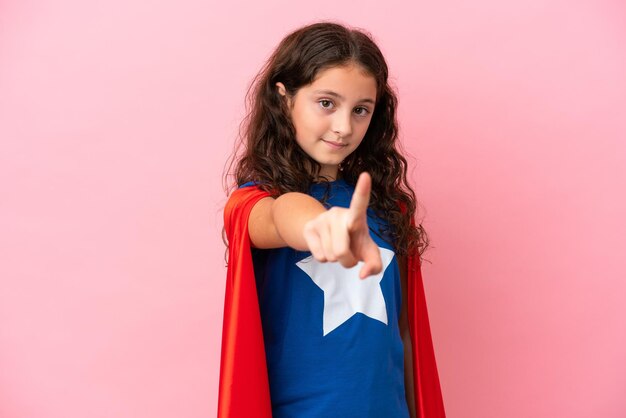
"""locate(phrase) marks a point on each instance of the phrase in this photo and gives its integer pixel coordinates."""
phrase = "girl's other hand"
(342, 234)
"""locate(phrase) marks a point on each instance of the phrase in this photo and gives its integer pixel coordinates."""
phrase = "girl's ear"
(281, 88)
(283, 92)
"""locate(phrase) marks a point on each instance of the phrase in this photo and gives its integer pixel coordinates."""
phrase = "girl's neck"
(327, 179)
(328, 173)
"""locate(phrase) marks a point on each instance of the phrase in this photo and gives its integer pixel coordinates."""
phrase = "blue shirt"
(349, 366)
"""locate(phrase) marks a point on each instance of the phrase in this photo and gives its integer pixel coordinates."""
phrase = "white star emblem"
(345, 293)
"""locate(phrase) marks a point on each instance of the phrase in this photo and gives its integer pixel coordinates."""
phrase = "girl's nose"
(342, 124)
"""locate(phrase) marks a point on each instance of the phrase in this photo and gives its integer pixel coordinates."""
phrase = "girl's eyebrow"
(339, 96)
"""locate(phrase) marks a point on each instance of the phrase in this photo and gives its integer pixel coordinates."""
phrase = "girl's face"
(332, 114)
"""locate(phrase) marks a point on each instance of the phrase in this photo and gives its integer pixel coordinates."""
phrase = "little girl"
(325, 314)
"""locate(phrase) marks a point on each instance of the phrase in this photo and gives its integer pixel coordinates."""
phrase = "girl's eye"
(364, 112)
(324, 101)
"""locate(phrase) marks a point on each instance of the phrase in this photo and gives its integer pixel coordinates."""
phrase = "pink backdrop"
(116, 119)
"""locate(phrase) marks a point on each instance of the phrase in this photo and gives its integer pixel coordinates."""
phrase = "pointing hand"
(341, 234)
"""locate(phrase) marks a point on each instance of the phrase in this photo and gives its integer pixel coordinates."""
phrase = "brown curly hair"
(273, 158)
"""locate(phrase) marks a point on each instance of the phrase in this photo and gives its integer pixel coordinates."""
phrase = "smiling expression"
(331, 115)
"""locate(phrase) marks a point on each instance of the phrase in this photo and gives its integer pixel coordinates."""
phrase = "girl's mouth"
(334, 145)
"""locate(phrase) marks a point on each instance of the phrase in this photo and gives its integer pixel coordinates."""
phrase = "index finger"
(361, 197)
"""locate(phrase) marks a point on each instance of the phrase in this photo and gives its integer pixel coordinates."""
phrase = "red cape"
(243, 385)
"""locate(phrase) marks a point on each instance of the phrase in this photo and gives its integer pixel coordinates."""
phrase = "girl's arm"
(301, 222)
(406, 339)
(279, 222)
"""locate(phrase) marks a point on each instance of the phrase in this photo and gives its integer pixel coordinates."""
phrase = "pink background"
(116, 118)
